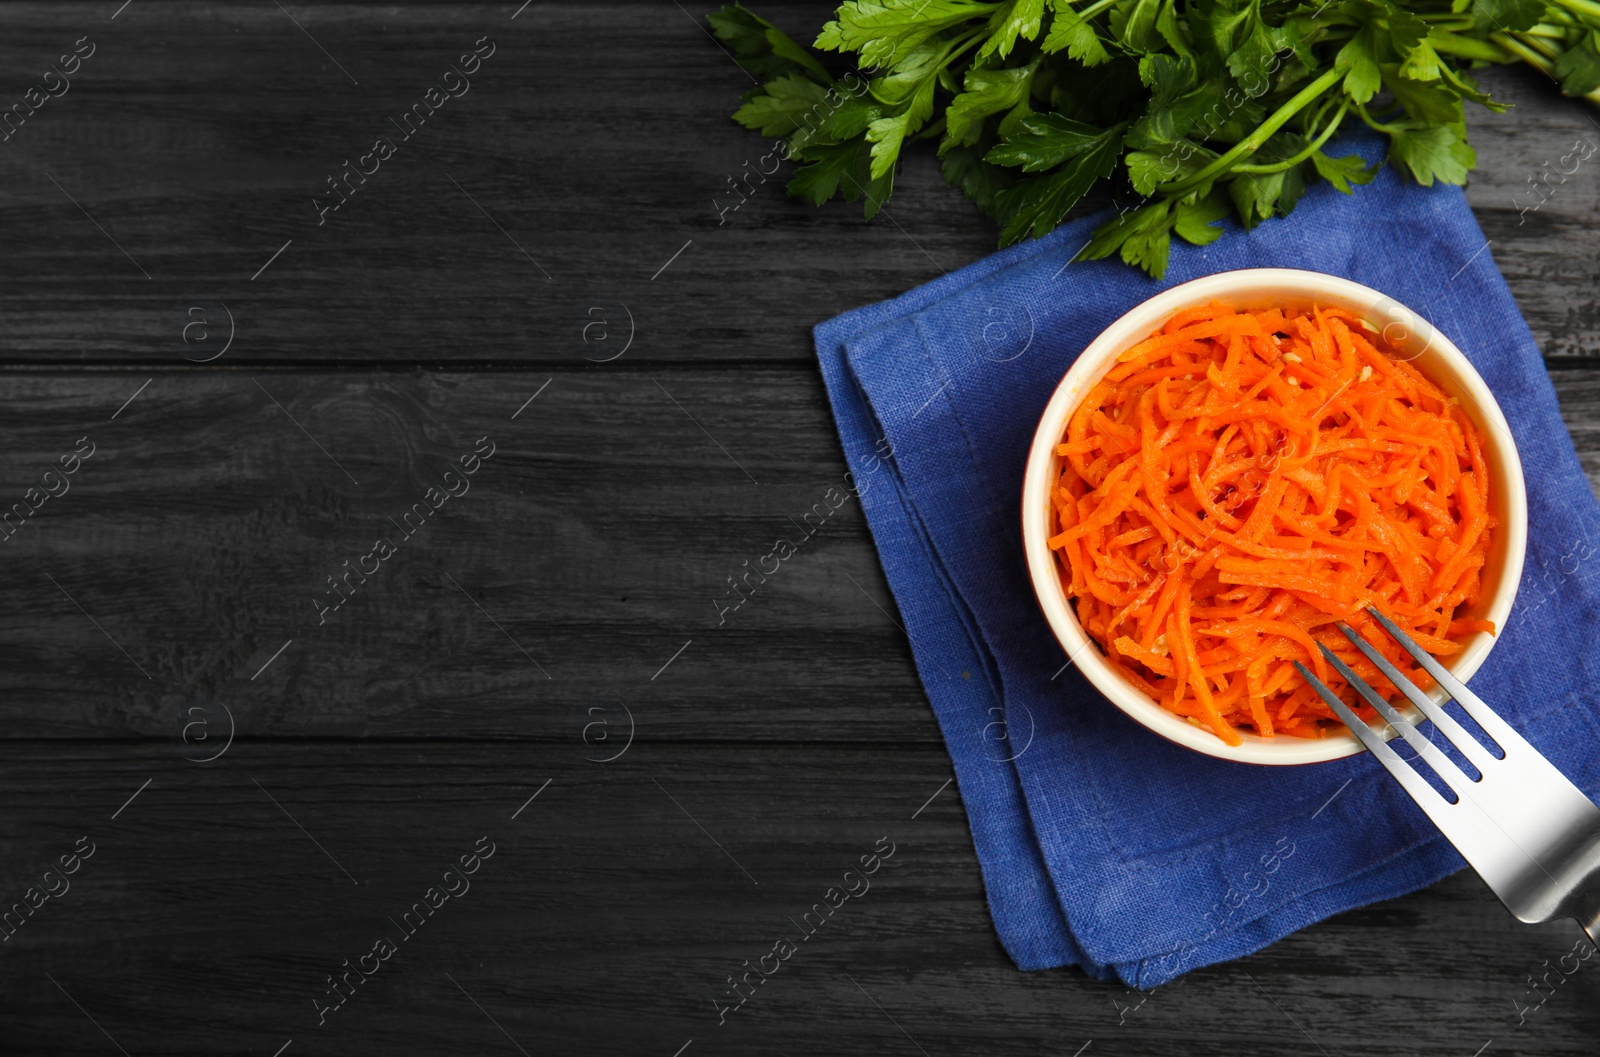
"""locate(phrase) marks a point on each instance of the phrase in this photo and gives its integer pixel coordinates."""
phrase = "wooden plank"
(550, 197)
(585, 155)
(584, 556)
(1578, 386)
(1545, 242)
(216, 903)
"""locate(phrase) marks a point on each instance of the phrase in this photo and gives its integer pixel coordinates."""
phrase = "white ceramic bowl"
(1256, 288)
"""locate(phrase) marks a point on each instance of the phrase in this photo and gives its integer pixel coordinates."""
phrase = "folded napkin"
(1102, 844)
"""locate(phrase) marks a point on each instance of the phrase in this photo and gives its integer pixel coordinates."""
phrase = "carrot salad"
(1240, 482)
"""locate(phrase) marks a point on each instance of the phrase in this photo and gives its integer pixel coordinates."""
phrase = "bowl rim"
(1259, 285)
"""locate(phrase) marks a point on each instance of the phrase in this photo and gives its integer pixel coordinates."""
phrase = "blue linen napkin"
(1103, 845)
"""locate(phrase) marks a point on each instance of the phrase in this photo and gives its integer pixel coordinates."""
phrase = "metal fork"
(1532, 835)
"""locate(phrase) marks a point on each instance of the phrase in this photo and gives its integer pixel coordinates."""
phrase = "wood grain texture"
(594, 138)
(597, 540)
(1549, 252)
(510, 250)
(206, 920)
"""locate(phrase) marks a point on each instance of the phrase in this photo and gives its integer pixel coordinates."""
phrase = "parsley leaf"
(1506, 16)
(842, 170)
(978, 180)
(884, 32)
(1195, 221)
(1431, 152)
(1358, 61)
(1019, 18)
(782, 105)
(762, 48)
(1434, 104)
(1148, 170)
(1260, 197)
(829, 166)
(1342, 172)
(987, 92)
(1071, 33)
(1174, 106)
(1039, 204)
(1201, 106)
(1578, 68)
(1133, 23)
(1140, 235)
(910, 91)
(1045, 141)
(1251, 60)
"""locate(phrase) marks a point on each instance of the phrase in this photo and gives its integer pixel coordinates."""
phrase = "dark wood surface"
(510, 644)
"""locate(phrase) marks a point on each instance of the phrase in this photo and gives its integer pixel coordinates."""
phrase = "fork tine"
(1524, 769)
(1424, 794)
(1494, 812)
(1453, 777)
(1482, 839)
(1471, 703)
(1454, 732)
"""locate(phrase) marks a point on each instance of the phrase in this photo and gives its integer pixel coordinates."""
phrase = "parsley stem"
(1378, 125)
(1251, 143)
(1548, 50)
(1536, 56)
(1532, 58)
(1316, 145)
(1095, 8)
(1469, 48)
(1586, 8)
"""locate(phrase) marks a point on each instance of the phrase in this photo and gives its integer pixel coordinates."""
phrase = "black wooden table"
(260, 738)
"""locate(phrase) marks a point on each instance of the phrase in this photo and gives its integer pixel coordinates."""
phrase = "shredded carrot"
(1240, 482)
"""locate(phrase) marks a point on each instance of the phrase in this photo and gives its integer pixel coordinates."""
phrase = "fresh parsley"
(1197, 109)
